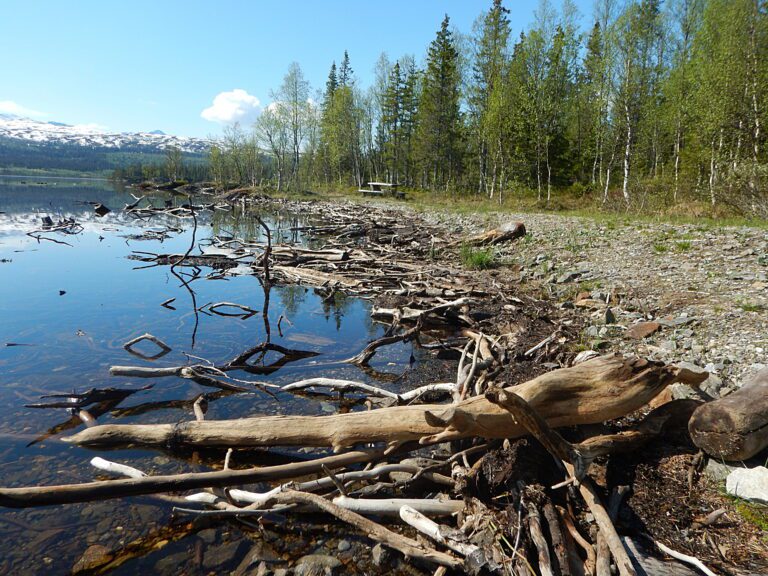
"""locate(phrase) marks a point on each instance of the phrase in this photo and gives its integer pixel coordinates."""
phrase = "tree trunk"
(734, 427)
(627, 153)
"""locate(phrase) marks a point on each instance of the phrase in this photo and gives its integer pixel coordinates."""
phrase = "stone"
(712, 385)
(92, 557)
(382, 556)
(609, 317)
(316, 565)
(208, 535)
(260, 553)
(643, 330)
(589, 304)
(220, 556)
(669, 345)
(593, 332)
(719, 471)
(172, 563)
(568, 277)
(749, 484)
(343, 545)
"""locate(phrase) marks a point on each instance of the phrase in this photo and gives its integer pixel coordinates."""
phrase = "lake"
(67, 311)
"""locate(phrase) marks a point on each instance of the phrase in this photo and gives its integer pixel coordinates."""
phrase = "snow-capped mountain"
(90, 135)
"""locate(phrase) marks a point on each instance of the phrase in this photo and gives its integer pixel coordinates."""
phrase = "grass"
(564, 203)
(478, 258)
(754, 514)
(751, 307)
(660, 248)
(683, 246)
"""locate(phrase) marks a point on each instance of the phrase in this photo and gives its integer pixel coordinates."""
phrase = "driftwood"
(101, 490)
(601, 389)
(734, 427)
(506, 233)
(409, 547)
(561, 449)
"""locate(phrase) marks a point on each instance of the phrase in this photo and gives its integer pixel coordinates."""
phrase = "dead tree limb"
(409, 547)
(102, 490)
(364, 356)
(595, 391)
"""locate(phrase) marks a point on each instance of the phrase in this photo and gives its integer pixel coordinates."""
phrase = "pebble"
(343, 545)
(381, 556)
(316, 565)
(92, 557)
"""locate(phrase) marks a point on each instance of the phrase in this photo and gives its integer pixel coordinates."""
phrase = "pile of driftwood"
(446, 473)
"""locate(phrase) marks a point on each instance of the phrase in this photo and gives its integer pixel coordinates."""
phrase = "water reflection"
(67, 311)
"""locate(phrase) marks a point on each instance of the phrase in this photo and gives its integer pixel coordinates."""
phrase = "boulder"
(749, 484)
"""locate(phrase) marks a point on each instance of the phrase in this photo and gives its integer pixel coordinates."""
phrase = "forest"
(652, 105)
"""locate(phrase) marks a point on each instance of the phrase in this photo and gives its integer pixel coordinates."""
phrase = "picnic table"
(382, 189)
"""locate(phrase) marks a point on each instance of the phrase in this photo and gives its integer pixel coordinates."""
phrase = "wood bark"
(734, 427)
(600, 389)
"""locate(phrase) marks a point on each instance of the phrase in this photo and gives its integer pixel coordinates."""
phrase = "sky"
(191, 67)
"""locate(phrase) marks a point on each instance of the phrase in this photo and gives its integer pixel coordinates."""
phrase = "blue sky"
(142, 65)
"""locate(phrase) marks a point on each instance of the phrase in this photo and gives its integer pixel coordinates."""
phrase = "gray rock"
(712, 385)
(316, 565)
(172, 564)
(260, 553)
(568, 277)
(593, 332)
(669, 345)
(749, 483)
(208, 535)
(609, 316)
(343, 545)
(222, 555)
(718, 471)
(382, 557)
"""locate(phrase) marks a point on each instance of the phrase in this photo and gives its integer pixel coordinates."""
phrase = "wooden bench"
(382, 189)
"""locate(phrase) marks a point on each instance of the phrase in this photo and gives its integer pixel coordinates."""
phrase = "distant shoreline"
(30, 177)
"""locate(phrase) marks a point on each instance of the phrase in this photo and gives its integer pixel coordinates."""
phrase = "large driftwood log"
(505, 233)
(601, 389)
(734, 427)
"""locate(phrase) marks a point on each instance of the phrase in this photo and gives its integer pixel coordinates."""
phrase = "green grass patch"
(754, 514)
(660, 248)
(683, 246)
(751, 307)
(478, 258)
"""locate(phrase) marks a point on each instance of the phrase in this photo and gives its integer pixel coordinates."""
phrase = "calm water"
(66, 311)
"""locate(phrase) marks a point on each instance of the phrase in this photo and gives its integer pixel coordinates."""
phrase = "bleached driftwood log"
(505, 233)
(601, 389)
(734, 427)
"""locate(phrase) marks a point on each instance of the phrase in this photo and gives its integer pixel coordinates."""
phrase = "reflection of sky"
(75, 337)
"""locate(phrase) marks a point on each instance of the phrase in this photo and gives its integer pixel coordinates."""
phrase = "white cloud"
(234, 106)
(11, 107)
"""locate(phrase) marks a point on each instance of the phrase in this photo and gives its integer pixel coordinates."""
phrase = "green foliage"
(751, 307)
(659, 108)
(477, 258)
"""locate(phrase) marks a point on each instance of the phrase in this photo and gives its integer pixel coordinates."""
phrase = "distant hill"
(27, 144)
